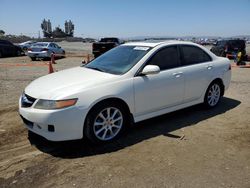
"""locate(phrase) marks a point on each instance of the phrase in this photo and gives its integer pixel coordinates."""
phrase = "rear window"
(109, 40)
(40, 44)
(237, 43)
(221, 43)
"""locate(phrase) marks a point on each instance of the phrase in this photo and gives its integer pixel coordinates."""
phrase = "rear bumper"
(38, 54)
(227, 79)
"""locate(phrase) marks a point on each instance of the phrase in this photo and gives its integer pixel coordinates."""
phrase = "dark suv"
(231, 46)
(9, 49)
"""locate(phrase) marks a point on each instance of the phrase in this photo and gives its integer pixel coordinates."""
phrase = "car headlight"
(54, 104)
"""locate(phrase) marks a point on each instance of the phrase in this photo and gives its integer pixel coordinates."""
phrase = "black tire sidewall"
(89, 122)
(18, 53)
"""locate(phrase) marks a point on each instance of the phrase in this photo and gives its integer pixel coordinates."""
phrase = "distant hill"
(183, 37)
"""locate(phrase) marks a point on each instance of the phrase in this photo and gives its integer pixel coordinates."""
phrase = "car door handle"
(177, 74)
(209, 67)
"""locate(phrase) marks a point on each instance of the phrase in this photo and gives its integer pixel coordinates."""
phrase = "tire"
(96, 55)
(32, 58)
(213, 94)
(1, 54)
(63, 54)
(18, 53)
(105, 122)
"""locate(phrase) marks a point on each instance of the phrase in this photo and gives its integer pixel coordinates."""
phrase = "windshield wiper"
(96, 68)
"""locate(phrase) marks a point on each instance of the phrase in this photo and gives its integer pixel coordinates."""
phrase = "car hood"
(68, 82)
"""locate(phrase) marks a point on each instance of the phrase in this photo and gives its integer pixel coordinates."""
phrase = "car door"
(9, 48)
(162, 90)
(58, 49)
(197, 66)
(53, 48)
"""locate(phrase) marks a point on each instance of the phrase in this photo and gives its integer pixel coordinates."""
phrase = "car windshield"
(221, 43)
(118, 60)
(40, 44)
(109, 40)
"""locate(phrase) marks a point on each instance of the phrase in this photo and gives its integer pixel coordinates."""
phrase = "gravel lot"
(193, 147)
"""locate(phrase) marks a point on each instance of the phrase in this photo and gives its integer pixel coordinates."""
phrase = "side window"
(52, 45)
(166, 58)
(193, 55)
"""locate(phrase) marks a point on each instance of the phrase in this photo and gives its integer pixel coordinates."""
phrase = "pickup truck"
(104, 45)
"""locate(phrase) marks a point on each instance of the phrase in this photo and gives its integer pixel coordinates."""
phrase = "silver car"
(26, 45)
(44, 50)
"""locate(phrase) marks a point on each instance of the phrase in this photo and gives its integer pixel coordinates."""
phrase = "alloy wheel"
(213, 96)
(108, 123)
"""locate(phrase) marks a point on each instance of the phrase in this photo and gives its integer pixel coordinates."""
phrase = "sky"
(129, 18)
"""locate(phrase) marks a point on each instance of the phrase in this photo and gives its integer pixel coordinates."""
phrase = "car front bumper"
(68, 122)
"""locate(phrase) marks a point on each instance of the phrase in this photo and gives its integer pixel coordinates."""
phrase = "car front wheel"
(18, 53)
(213, 95)
(105, 123)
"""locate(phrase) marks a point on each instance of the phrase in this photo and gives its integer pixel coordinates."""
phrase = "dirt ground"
(193, 147)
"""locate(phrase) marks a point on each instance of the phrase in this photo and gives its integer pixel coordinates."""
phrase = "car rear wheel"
(105, 123)
(213, 95)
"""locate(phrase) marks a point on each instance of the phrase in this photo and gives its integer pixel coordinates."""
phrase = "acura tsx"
(130, 83)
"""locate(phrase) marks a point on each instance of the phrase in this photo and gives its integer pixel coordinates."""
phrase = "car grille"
(27, 101)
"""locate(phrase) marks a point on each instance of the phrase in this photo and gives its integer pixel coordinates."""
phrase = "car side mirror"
(150, 69)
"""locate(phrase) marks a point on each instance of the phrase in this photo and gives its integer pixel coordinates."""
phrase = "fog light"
(51, 128)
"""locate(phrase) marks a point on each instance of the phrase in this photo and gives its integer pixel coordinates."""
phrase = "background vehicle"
(104, 45)
(26, 45)
(44, 50)
(130, 83)
(9, 49)
(232, 46)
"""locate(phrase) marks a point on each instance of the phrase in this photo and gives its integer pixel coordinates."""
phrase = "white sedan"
(130, 83)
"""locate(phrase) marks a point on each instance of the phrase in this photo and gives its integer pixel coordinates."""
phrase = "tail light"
(44, 49)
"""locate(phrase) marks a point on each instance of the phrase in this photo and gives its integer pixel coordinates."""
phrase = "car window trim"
(138, 72)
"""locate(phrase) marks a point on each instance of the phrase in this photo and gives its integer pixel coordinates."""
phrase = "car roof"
(231, 40)
(43, 42)
(4, 40)
(156, 43)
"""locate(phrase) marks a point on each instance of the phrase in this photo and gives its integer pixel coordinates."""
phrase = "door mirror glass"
(150, 69)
